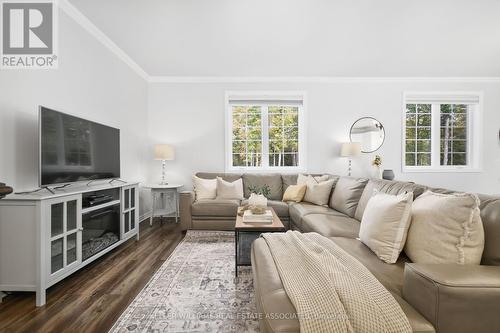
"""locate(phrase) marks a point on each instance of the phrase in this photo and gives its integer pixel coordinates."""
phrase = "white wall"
(91, 82)
(191, 117)
(94, 83)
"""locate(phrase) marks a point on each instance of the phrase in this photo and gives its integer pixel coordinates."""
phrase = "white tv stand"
(42, 234)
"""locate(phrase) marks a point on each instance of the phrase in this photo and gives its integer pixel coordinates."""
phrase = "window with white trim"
(441, 132)
(264, 131)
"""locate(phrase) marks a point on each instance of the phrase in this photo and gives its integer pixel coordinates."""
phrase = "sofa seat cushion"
(270, 295)
(214, 218)
(280, 207)
(331, 225)
(298, 210)
(390, 275)
(217, 207)
(213, 223)
(272, 299)
(418, 322)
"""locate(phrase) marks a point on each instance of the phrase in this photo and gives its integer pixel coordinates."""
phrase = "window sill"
(441, 170)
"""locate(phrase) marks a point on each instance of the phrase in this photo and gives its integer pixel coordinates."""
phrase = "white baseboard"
(144, 217)
(147, 215)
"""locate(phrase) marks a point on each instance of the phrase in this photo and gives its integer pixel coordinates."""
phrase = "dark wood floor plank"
(92, 299)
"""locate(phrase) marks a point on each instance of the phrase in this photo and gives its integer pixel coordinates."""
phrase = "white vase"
(377, 172)
(257, 200)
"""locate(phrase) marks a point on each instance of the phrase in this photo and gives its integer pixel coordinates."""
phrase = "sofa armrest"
(455, 298)
(186, 199)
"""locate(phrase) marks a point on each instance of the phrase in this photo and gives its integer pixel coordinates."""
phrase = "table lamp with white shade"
(350, 149)
(163, 153)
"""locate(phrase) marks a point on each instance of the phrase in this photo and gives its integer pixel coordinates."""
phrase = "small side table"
(163, 190)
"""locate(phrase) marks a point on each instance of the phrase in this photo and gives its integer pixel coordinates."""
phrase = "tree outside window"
(440, 134)
(265, 135)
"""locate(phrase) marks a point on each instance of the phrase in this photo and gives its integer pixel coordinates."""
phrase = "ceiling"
(363, 38)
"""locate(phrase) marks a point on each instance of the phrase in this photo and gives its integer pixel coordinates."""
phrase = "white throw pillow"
(229, 190)
(204, 188)
(446, 229)
(385, 224)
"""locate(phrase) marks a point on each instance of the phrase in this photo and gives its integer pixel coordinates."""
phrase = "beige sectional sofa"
(435, 298)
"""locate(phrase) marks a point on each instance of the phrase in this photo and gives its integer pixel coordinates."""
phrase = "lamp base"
(163, 181)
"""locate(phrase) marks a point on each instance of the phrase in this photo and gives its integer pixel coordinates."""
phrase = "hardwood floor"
(92, 299)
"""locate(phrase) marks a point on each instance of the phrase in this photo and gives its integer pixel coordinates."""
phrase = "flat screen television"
(74, 149)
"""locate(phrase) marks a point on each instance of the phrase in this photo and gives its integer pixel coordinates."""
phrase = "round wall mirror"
(369, 132)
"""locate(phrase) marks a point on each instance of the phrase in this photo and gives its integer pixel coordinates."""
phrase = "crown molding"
(313, 79)
(92, 29)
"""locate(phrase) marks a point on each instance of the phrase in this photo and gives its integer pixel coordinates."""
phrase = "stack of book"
(249, 217)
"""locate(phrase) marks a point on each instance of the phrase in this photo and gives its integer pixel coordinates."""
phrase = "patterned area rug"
(195, 290)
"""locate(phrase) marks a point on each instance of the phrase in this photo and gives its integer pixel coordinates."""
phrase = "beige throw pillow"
(303, 179)
(318, 189)
(204, 188)
(445, 229)
(229, 190)
(294, 193)
(385, 223)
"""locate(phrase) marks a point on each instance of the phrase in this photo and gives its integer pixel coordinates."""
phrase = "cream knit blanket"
(331, 290)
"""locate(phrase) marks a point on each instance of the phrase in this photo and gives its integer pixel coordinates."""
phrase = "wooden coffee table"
(246, 233)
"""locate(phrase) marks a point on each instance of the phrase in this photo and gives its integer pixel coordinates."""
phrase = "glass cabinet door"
(64, 220)
(71, 231)
(56, 255)
(129, 212)
(57, 219)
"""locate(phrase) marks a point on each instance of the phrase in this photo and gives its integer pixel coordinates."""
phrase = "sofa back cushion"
(228, 177)
(490, 215)
(346, 194)
(272, 180)
(289, 179)
(388, 187)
